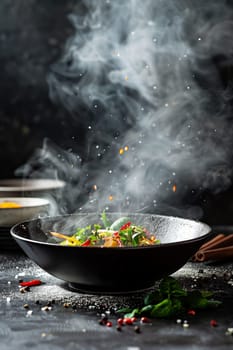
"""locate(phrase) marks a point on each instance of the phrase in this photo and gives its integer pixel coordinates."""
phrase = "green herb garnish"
(105, 220)
(171, 300)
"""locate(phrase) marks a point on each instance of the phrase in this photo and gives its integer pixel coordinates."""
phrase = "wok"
(111, 270)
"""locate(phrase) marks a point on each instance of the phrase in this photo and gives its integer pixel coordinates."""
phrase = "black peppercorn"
(137, 329)
(118, 328)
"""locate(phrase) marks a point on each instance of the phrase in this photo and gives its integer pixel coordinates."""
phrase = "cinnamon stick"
(213, 240)
(214, 254)
(220, 241)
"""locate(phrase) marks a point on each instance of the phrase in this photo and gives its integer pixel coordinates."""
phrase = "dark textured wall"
(32, 35)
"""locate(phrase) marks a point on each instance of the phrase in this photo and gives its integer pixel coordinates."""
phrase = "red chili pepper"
(30, 283)
(125, 226)
(86, 243)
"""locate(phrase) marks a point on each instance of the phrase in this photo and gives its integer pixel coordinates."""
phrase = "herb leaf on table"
(171, 299)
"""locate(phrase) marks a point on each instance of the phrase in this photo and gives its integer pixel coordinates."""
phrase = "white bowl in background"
(29, 187)
(30, 208)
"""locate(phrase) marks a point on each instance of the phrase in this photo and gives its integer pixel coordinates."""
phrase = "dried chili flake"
(191, 312)
(103, 321)
(30, 283)
(120, 321)
(213, 323)
(127, 320)
(144, 320)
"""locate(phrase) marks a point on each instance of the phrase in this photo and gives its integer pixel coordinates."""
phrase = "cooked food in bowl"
(9, 204)
(120, 233)
(17, 209)
(101, 269)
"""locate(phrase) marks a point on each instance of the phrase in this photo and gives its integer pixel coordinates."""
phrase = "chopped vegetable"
(105, 220)
(118, 224)
(170, 300)
(120, 233)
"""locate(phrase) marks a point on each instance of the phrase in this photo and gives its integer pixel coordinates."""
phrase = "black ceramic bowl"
(111, 270)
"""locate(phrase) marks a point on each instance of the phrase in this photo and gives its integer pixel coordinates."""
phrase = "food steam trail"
(142, 75)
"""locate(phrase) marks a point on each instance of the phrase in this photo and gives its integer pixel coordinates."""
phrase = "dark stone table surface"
(72, 319)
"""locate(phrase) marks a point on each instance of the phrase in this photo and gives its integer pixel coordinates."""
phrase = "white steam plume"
(142, 80)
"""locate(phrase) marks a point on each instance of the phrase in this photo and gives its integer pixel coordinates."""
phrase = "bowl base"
(75, 287)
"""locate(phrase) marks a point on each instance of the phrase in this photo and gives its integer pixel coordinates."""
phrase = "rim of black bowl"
(47, 218)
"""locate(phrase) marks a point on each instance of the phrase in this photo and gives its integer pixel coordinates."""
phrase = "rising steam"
(141, 78)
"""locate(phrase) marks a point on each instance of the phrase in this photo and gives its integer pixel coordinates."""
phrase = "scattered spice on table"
(118, 328)
(213, 323)
(144, 320)
(121, 322)
(128, 321)
(66, 305)
(103, 321)
(29, 313)
(35, 282)
(46, 308)
(24, 289)
(229, 331)
(191, 312)
(185, 325)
